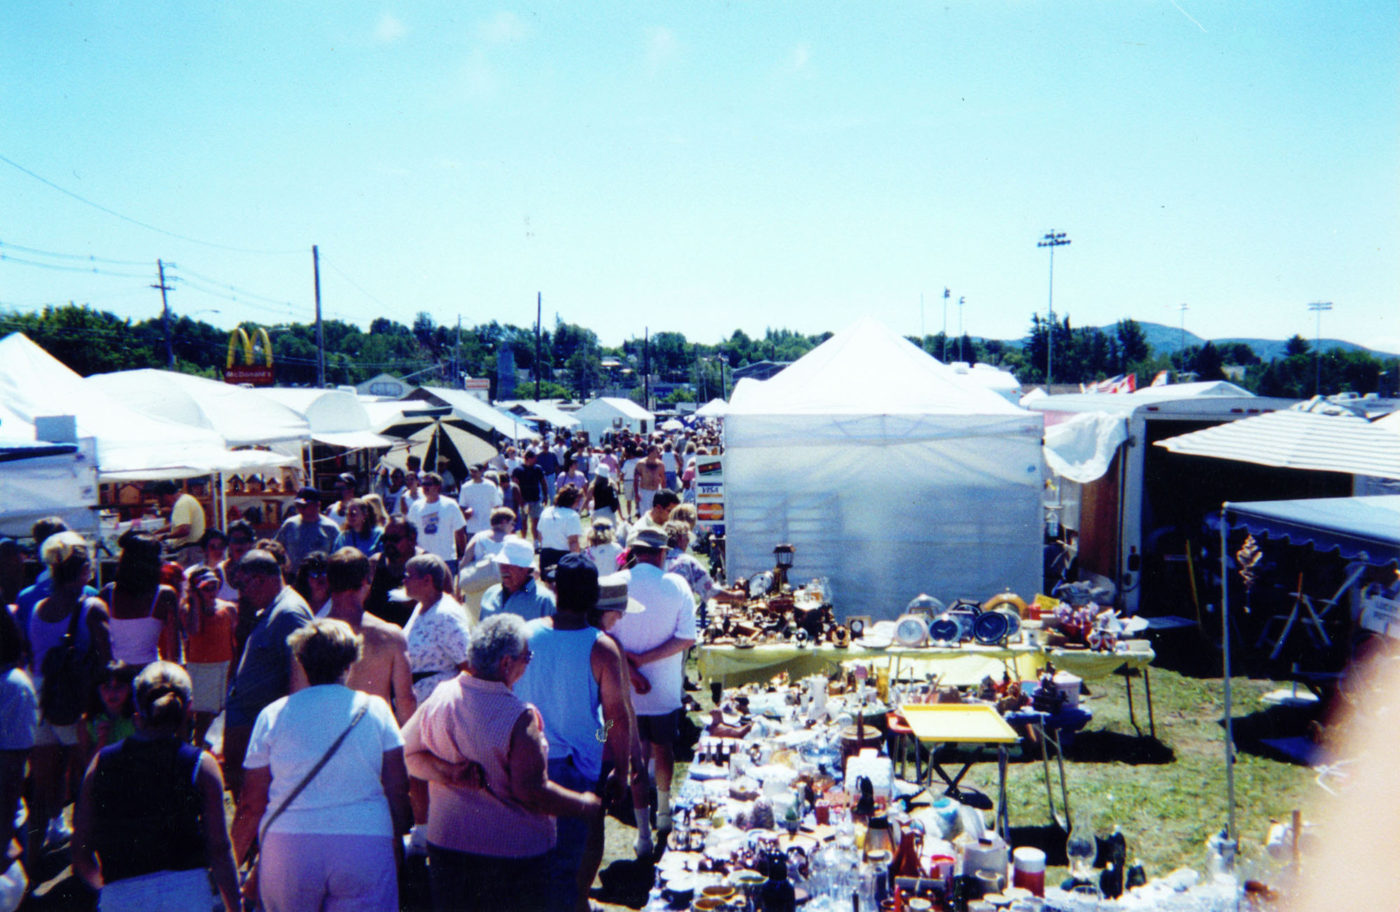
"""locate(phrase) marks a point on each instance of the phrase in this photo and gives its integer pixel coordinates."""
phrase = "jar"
(1028, 869)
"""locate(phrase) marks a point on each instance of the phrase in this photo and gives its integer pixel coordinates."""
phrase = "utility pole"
(646, 368)
(320, 330)
(457, 356)
(539, 299)
(165, 310)
(961, 300)
(1318, 307)
(1052, 240)
(1183, 308)
(946, 295)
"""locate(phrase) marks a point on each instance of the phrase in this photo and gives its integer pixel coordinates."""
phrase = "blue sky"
(704, 166)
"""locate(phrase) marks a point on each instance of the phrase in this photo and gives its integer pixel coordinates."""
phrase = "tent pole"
(1225, 641)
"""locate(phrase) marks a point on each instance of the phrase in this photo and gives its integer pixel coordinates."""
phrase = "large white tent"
(239, 415)
(610, 413)
(889, 473)
(336, 417)
(131, 445)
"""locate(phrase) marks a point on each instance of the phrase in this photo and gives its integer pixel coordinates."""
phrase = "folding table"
(976, 725)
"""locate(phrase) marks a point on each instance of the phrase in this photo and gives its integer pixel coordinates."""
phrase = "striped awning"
(1298, 440)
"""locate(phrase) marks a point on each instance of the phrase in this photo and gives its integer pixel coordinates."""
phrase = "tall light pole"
(1318, 307)
(1052, 240)
(1183, 307)
(961, 299)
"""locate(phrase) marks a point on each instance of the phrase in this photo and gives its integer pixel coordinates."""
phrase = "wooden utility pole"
(539, 297)
(165, 311)
(320, 330)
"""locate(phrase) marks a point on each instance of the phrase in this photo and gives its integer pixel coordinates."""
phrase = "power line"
(59, 267)
(355, 284)
(140, 224)
(34, 251)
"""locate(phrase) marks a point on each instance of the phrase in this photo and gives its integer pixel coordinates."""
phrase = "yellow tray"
(958, 722)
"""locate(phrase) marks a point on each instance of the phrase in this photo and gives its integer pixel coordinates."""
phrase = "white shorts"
(49, 734)
(210, 680)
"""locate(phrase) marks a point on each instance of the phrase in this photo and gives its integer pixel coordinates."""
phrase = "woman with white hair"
(325, 793)
(438, 630)
(149, 826)
(483, 753)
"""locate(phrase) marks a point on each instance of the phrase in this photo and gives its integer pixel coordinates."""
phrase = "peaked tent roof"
(1298, 440)
(547, 411)
(625, 406)
(472, 409)
(240, 416)
(130, 444)
(868, 369)
(715, 408)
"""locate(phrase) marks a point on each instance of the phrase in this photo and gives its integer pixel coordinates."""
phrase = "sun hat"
(515, 552)
(612, 595)
(647, 538)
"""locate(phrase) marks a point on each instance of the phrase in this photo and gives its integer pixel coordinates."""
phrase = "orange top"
(214, 642)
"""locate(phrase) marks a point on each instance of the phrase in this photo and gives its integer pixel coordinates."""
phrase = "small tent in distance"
(889, 473)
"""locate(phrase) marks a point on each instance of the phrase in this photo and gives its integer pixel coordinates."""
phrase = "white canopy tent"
(888, 473)
(239, 415)
(610, 413)
(40, 479)
(130, 444)
(715, 408)
(545, 411)
(336, 417)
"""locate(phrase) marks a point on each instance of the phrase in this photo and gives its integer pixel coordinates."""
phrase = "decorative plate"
(1013, 624)
(989, 628)
(945, 629)
(911, 630)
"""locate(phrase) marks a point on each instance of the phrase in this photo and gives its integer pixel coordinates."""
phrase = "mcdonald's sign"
(249, 371)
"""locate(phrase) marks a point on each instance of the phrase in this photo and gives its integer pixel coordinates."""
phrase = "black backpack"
(69, 671)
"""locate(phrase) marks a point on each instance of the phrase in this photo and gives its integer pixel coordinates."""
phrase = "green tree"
(1296, 345)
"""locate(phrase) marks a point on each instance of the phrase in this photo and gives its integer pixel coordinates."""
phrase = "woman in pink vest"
(491, 804)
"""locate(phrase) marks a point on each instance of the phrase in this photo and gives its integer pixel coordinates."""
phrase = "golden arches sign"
(249, 371)
(240, 339)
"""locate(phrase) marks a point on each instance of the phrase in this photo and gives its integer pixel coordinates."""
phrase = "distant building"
(759, 370)
(505, 373)
(385, 386)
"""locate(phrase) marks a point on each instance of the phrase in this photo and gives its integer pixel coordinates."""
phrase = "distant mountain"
(1167, 340)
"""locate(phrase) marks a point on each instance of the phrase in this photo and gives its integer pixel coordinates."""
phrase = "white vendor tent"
(607, 414)
(1296, 439)
(336, 417)
(889, 474)
(543, 410)
(715, 408)
(39, 479)
(239, 415)
(131, 445)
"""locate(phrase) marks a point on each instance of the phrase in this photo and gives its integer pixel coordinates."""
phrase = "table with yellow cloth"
(960, 665)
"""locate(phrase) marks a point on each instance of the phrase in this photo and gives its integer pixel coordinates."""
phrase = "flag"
(1123, 383)
(1160, 379)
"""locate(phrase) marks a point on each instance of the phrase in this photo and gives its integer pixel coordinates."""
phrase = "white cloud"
(389, 29)
(661, 47)
(478, 78)
(798, 59)
(502, 28)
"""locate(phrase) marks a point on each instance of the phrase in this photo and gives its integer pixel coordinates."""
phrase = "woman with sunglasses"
(311, 582)
(361, 529)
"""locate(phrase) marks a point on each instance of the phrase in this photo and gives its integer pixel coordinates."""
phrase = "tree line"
(572, 363)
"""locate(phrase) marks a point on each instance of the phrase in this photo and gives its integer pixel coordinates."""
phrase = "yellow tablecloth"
(959, 665)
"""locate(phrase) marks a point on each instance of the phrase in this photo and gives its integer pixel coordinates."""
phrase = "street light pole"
(1052, 240)
(1318, 307)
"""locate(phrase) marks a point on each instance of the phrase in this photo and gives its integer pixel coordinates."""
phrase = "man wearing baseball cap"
(306, 531)
(654, 642)
(517, 592)
(577, 671)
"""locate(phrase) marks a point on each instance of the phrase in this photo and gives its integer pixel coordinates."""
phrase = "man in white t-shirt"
(478, 498)
(441, 528)
(654, 642)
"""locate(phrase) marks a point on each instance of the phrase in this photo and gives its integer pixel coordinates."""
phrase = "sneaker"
(643, 847)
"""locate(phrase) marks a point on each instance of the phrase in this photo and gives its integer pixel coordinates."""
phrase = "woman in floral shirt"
(439, 629)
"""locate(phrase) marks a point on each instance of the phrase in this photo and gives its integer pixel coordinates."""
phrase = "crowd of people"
(467, 672)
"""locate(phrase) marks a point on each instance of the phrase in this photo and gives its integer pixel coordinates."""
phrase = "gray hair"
(501, 636)
(431, 566)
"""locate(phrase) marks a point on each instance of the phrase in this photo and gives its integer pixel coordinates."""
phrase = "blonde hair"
(163, 692)
(376, 504)
(685, 513)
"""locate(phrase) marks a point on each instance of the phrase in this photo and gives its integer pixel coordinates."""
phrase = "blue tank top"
(560, 684)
